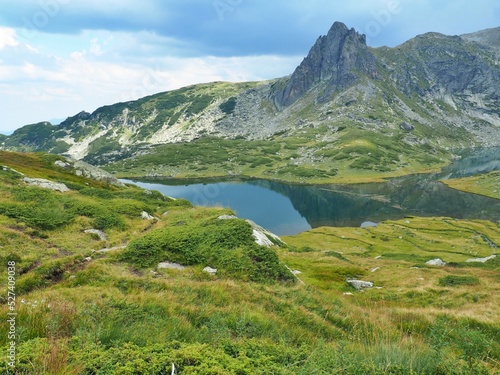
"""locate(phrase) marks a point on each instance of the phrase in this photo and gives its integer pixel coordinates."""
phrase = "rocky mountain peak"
(337, 58)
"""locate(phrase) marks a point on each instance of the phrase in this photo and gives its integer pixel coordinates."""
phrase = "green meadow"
(92, 305)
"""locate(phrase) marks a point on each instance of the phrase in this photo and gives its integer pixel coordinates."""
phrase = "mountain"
(347, 109)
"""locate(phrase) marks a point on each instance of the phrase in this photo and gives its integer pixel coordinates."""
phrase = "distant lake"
(289, 208)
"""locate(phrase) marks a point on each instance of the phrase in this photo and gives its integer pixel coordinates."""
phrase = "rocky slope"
(444, 89)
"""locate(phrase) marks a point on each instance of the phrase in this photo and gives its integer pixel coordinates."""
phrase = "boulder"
(435, 262)
(61, 164)
(210, 270)
(481, 260)
(407, 127)
(94, 173)
(262, 236)
(146, 216)
(46, 184)
(170, 266)
(99, 233)
(360, 284)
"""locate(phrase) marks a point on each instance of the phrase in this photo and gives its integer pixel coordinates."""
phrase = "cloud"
(54, 86)
(58, 57)
(7, 37)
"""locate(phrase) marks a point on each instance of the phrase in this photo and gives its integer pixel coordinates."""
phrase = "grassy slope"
(484, 184)
(357, 156)
(108, 315)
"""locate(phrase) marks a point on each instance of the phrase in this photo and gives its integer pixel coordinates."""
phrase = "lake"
(287, 209)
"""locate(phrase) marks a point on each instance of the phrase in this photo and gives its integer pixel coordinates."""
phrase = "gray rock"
(210, 270)
(99, 233)
(263, 236)
(227, 217)
(481, 260)
(84, 169)
(61, 164)
(435, 262)
(171, 266)
(146, 216)
(46, 184)
(105, 250)
(360, 284)
(407, 127)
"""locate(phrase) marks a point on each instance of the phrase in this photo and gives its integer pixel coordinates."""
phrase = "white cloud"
(7, 37)
(57, 86)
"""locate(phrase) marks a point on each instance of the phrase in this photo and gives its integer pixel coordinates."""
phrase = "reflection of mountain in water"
(350, 205)
(474, 162)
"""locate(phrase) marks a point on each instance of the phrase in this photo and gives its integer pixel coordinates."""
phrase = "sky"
(59, 57)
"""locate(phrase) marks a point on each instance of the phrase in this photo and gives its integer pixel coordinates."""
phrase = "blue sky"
(58, 57)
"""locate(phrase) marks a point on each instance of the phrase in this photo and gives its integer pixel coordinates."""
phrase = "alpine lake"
(287, 209)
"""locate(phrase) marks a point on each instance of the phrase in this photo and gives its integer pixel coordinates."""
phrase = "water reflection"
(289, 209)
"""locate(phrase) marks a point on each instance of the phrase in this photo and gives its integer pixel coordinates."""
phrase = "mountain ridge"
(444, 87)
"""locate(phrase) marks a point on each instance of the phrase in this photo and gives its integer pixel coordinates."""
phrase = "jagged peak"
(339, 29)
(338, 57)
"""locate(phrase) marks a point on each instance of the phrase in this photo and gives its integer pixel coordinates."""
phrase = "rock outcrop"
(337, 59)
(46, 184)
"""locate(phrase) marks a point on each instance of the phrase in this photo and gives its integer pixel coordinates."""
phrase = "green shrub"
(227, 245)
(457, 280)
(97, 193)
(44, 216)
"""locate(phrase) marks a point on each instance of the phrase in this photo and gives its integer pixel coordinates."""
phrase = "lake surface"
(289, 209)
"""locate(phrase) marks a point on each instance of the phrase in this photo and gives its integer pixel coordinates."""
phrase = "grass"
(356, 156)
(484, 184)
(113, 312)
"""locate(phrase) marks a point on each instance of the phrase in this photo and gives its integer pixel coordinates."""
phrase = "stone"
(296, 272)
(407, 127)
(435, 262)
(61, 164)
(360, 284)
(210, 270)
(99, 233)
(87, 259)
(105, 250)
(46, 184)
(84, 169)
(171, 266)
(227, 217)
(146, 216)
(261, 239)
(481, 260)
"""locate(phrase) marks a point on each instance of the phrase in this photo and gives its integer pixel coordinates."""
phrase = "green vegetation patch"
(458, 280)
(227, 245)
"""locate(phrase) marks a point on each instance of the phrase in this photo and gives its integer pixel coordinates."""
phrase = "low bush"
(457, 280)
(227, 245)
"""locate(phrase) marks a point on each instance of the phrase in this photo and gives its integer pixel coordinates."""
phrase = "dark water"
(289, 209)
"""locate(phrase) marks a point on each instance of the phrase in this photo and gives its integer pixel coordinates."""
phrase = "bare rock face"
(84, 169)
(46, 184)
(337, 59)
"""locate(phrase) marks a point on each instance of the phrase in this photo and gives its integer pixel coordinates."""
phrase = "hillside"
(92, 298)
(348, 113)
